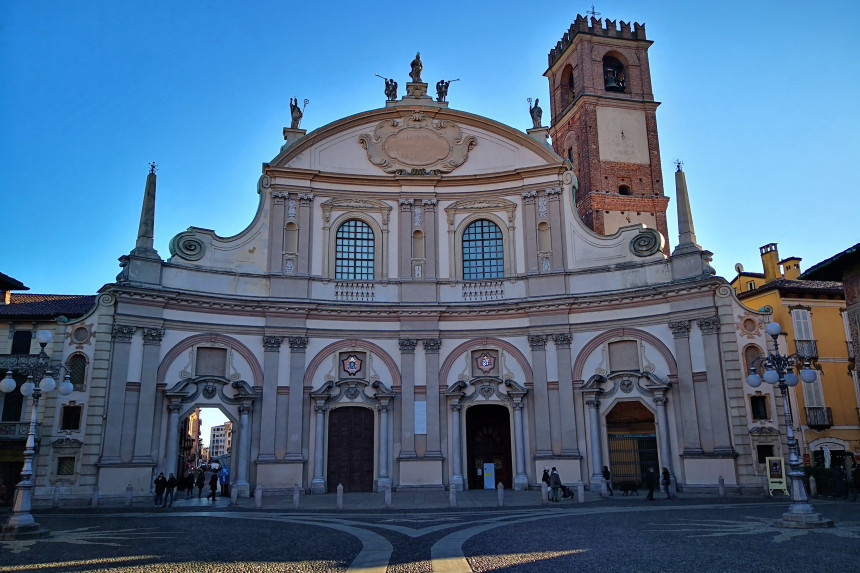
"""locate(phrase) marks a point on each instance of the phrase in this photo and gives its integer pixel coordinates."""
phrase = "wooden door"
(488, 439)
(350, 449)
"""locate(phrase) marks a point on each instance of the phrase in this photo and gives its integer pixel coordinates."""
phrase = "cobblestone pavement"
(701, 534)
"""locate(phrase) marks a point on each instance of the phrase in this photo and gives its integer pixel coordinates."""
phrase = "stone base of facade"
(280, 474)
(707, 471)
(114, 480)
(420, 472)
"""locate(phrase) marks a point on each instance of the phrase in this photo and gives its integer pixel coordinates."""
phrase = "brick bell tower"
(604, 121)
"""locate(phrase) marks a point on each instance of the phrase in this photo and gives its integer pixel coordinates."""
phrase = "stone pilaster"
(269, 404)
(543, 437)
(431, 369)
(298, 344)
(686, 388)
(121, 336)
(145, 442)
(569, 439)
(407, 396)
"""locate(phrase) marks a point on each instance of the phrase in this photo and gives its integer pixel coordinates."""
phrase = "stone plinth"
(292, 135)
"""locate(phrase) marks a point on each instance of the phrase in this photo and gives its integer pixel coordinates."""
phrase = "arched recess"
(211, 338)
(477, 343)
(614, 72)
(568, 88)
(598, 340)
(325, 354)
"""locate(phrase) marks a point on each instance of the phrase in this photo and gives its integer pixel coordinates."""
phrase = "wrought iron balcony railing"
(806, 348)
(819, 418)
(14, 431)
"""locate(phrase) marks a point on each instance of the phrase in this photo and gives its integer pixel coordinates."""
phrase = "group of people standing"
(165, 487)
(553, 481)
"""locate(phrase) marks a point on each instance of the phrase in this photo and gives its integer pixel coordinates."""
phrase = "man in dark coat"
(160, 486)
(555, 484)
(171, 488)
(651, 482)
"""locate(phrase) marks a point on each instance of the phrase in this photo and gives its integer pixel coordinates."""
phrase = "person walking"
(555, 484)
(189, 485)
(201, 481)
(171, 489)
(224, 480)
(160, 485)
(651, 482)
(666, 480)
(213, 486)
(545, 477)
(607, 478)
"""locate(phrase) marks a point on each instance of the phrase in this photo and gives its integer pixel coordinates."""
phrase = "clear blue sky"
(758, 98)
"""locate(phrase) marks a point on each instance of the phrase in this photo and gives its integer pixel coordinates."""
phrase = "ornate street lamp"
(40, 379)
(779, 371)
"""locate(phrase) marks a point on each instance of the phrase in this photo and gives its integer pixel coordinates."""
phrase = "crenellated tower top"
(597, 27)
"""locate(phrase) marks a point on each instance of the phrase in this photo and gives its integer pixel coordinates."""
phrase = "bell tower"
(604, 121)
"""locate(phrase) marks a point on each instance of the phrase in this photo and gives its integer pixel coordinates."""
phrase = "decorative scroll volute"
(417, 145)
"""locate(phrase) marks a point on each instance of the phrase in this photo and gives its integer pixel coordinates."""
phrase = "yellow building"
(814, 324)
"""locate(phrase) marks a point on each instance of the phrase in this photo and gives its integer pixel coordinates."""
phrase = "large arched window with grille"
(354, 253)
(483, 251)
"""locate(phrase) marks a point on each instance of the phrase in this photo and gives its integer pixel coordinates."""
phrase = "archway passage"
(632, 439)
(350, 449)
(488, 447)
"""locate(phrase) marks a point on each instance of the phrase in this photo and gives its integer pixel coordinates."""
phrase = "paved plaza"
(420, 533)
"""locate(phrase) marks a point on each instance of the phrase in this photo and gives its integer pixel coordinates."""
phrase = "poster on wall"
(776, 476)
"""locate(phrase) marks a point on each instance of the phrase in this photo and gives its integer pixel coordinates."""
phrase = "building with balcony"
(811, 308)
(69, 427)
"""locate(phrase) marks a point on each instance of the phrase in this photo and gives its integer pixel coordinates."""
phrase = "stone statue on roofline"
(417, 67)
(536, 112)
(295, 113)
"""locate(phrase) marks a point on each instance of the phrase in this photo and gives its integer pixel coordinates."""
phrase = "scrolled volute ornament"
(187, 246)
(647, 243)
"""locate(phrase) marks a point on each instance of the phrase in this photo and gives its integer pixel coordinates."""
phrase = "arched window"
(567, 89)
(77, 365)
(354, 245)
(613, 75)
(483, 255)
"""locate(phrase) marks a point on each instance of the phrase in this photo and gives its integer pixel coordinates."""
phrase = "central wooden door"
(488, 441)
(350, 449)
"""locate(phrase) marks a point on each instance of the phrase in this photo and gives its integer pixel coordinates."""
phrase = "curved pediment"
(415, 140)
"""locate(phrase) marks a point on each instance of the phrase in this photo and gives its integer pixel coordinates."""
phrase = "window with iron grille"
(71, 417)
(758, 407)
(77, 366)
(483, 255)
(354, 251)
(66, 466)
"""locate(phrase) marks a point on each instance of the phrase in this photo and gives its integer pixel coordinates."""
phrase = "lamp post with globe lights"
(40, 379)
(779, 371)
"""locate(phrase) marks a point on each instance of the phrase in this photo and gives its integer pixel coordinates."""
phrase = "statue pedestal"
(416, 90)
(291, 136)
(416, 94)
(541, 134)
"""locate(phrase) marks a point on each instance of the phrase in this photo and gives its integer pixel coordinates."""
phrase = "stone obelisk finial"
(146, 230)
(686, 232)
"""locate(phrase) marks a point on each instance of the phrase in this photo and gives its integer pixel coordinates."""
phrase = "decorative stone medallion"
(417, 145)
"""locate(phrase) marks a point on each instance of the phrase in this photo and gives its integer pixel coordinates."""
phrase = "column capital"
(246, 408)
(562, 340)
(298, 343)
(709, 325)
(537, 341)
(455, 407)
(407, 345)
(592, 403)
(153, 335)
(432, 345)
(272, 343)
(122, 333)
(320, 407)
(680, 328)
(660, 400)
(175, 407)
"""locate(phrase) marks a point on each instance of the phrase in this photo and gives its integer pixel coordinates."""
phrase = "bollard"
(129, 495)
(813, 487)
(500, 489)
(234, 495)
(339, 496)
(580, 492)
(95, 501)
(387, 495)
(544, 494)
(296, 494)
(258, 496)
(452, 495)
(55, 498)
(766, 488)
(721, 486)
(604, 491)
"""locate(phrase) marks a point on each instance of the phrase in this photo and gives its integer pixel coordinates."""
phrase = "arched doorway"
(488, 447)
(632, 440)
(350, 449)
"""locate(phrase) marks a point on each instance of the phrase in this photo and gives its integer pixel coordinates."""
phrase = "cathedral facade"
(427, 298)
